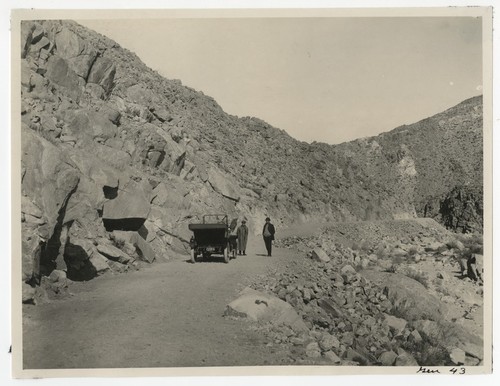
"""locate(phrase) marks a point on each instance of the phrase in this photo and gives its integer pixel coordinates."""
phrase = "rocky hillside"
(435, 165)
(117, 160)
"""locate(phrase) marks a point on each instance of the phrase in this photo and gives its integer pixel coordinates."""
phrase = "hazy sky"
(322, 79)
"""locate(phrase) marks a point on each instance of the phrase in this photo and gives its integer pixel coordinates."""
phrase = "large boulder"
(85, 203)
(320, 255)
(142, 247)
(99, 262)
(104, 176)
(223, 184)
(31, 249)
(259, 306)
(27, 28)
(410, 299)
(170, 194)
(95, 125)
(129, 209)
(26, 73)
(31, 212)
(396, 325)
(175, 154)
(42, 43)
(110, 156)
(77, 52)
(103, 73)
(60, 73)
(140, 94)
(50, 177)
(110, 112)
(113, 253)
(388, 358)
(28, 294)
(98, 183)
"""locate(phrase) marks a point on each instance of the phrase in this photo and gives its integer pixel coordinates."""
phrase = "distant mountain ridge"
(116, 156)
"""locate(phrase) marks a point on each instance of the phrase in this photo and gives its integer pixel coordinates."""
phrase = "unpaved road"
(166, 315)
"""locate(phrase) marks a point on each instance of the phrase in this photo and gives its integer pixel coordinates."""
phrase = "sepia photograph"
(205, 191)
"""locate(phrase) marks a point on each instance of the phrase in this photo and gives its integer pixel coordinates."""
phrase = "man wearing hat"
(268, 234)
(242, 238)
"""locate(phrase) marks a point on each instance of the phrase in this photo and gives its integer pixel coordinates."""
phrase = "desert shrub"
(381, 251)
(397, 260)
(441, 287)
(412, 251)
(355, 246)
(431, 350)
(358, 267)
(366, 246)
(473, 242)
(428, 353)
(420, 277)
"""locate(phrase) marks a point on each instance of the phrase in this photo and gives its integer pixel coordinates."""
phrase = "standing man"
(268, 234)
(242, 238)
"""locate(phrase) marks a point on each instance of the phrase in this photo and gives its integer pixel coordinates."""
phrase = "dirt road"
(166, 315)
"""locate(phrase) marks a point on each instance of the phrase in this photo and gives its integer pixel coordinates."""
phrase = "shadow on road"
(212, 259)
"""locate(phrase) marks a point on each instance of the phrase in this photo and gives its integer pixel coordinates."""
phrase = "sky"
(320, 79)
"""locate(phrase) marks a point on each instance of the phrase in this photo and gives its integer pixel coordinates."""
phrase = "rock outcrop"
(259, 306)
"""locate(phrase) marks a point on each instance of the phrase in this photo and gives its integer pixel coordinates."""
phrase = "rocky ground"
(320, 300)
(381, 303)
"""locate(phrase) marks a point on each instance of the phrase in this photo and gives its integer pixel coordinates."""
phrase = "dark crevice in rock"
(123, 224)
(86, 77)
(160, 158)
(77, 260)
(50, 249)
(143, 232)
(110, 192)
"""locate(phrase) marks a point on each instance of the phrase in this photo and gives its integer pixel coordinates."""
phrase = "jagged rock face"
(462, 210)
(105, 121)
(49, 179)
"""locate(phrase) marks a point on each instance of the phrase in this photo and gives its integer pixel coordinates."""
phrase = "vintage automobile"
(211, 237)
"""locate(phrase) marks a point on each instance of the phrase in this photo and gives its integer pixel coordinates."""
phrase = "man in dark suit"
(268, 234)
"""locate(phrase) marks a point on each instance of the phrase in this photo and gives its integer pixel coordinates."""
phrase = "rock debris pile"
(360, 310)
